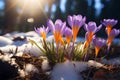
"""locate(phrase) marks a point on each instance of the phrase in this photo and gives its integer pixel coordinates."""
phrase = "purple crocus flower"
(57, 30)
(109, 23)
(42, 31)
(98, 43)
(68, 34)
(113, 34)
(91, 29)
(76, 22)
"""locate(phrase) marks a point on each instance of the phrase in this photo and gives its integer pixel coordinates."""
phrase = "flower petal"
(98, 28)
(58, 25)
(109, 22)
(114, 32)
(50, 25)
(91, 27)
(85, 27)
(63, 28)
(99, 42)
(70, 21)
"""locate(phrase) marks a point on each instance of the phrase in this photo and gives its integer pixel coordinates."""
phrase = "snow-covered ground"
(9, 44)
(70, 70)
(62, 71)
(10, 41)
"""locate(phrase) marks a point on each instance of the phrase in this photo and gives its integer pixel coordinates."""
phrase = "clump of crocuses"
(66, 35)
(91, 29)
(111, 32)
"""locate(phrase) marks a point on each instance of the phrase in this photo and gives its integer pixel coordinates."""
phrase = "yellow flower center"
(43, 34)
(97, 49)
(75, 32)
(89, 39)
(110, 39)
(57, 37)
(109, 27)
(68, 38)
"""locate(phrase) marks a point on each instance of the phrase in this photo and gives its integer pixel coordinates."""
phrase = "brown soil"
(10, 72)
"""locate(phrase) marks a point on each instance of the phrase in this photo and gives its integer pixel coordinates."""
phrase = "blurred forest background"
(24, 15)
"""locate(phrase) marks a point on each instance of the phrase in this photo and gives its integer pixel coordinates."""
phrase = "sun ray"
(32, 6)
(42, 10)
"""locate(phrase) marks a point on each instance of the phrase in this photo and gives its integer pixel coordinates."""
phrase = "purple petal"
(78, 17)
(70, 21)
(68, 32)
(76, 23)
(47, 30)
(94, 41)
(110, 22)
(86, 36)
(37, 30)
(76, 20)
(98, 28)
(84, 19)
(58, 22)
(50, 25)
(58, 25)
(63, 28)
(82, 22)
(85, 27)
(91, 27)
(113, 22)
(114, 32)
(99, 42)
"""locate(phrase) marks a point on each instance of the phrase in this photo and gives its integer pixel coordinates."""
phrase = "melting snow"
(30, 68)
(45, 65)
(114, 61)
(71, 70)
(5, 41)
(62, 71)
(65, 71)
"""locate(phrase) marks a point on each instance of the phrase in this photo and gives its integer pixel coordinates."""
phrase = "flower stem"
(95, 58)
(85, 58)
(71, 51)
(108, 49)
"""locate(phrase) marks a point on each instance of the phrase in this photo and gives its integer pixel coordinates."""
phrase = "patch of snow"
(36, 39)
(5, 41)
(94, 64)
(115, 61)
(32, 34)
(71, 70)
(19, 54)
(30, 68)
(6, 57)
(8, 35)
(13, 61)
(65, 71)
(25, 48)
(45, 65)
(80, 66)
(32, 49)
(8, 49)
(22, 73)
